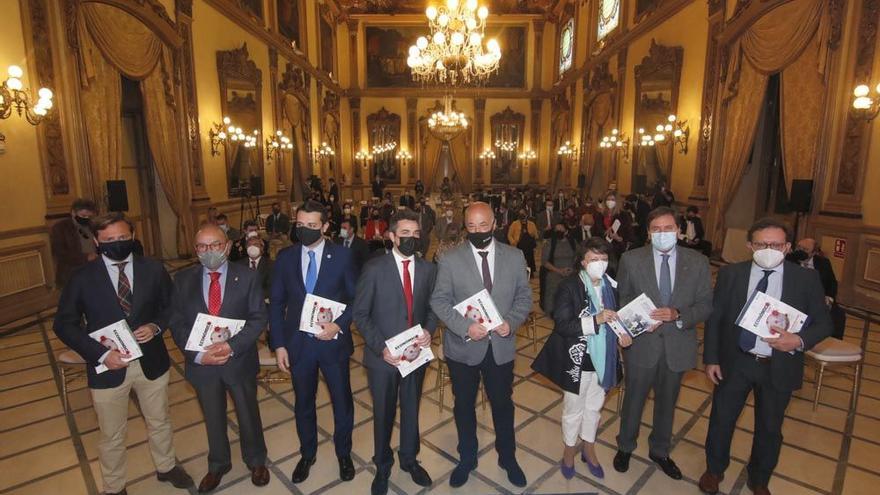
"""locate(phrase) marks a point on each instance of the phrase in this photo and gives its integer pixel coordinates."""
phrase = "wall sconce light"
(566, 150)
(276, 146)
(221, 134)
(12, 95)
(527, 155)
(404, 156)
(864, 106)
(645, 139)
(617, 141)
(677, 132)
(324, 151)
(487, 155)
(363, 157)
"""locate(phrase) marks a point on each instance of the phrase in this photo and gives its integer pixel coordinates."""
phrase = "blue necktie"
(747, 340)
(665, 282)
(311, 273)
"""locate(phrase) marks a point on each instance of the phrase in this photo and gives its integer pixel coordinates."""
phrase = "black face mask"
(799, 255)
(83, 220)
(117, 250)
(480, 240)
(407, 246)
(388, 244)
(560, 235)
(307, 236)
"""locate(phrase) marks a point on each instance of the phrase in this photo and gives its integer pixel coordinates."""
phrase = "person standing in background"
(73, 244)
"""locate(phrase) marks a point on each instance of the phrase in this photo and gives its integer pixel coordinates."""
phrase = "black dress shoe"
(418, 473)
(260, 475)
(668, 466)
(177, 477)
(460, 474)
(621, 461)
(346, 468)
(301, 472)
(515, 474)
(212, 480)
(380, 485)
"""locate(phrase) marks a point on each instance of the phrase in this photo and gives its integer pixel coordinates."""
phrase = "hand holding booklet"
(404, 346)
(762, 314)
(635, 317)
(317, 310)
(117, 337)
(480, 308)
(210, 329)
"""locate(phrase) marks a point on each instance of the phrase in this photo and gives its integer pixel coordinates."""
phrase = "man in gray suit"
(678, 282)
(393, 295)
(471, 352)
(228, 290)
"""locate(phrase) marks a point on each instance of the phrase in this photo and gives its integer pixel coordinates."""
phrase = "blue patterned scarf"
(603, 345)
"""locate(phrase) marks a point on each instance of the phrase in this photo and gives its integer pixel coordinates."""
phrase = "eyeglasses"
(778, 246)
(214, 246)
(664, 228)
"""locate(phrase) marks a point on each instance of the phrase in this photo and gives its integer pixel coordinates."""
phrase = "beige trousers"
(111, 405)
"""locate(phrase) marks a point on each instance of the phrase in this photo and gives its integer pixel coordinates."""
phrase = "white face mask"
(663, 241)
(253, 251)
(611, 204)
(251, 234)
(343, 233)
(596, 269)
(768, 258)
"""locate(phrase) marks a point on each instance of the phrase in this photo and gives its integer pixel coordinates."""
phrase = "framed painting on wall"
(289, 20)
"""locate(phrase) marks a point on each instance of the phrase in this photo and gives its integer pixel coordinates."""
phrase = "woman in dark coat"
(581, 354)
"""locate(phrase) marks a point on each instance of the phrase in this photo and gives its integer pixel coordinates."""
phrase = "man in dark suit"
(678, 282)
(472, 354)
(692, 232)
(122, 286)
(808, 255)
(277, 223)
(378, 187)
(227, 290)
(314, 266)
(738, 362)
(333, 189)
(239, 246)
(547, 219)
(427, 219)
(349, 239)
(393, 295)
(408, 200)
(73, 244)
(258, 261)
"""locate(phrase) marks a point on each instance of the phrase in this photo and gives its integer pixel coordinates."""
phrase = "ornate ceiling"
(418, 6)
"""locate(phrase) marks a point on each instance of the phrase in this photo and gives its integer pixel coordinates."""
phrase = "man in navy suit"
(393, 295)
(315, 266)
(118, 286)
(227, 290)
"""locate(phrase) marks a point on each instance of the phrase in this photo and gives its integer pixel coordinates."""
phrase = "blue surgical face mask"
(664, 241)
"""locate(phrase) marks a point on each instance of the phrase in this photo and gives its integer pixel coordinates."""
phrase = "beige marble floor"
(44, 450)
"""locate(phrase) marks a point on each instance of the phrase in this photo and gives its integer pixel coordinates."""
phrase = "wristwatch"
(678, 322)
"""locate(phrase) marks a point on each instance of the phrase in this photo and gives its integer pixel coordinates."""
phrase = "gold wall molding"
(272, 39)
(709, 105)
(190, 100)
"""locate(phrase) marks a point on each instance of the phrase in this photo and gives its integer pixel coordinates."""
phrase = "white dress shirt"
(774, 290)
(658, 265)
(319, 255)
(398, 260)
(479, 259)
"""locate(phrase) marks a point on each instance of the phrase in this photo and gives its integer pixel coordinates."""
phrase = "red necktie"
(214, 300)
(408, 292)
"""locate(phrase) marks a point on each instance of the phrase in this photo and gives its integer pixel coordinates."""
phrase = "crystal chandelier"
(453, 53)
(447, 124)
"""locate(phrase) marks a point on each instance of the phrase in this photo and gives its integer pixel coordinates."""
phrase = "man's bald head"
(211, 231)
(479, 217)
(808, 245)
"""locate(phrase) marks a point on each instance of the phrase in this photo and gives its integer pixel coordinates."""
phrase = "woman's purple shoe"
(596, 470)
(567, 471)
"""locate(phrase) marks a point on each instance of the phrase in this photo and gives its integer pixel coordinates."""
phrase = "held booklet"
(480, 308)
(209, 329)
(762, 312)
(635, 317)
(117, 337)
(317, 310)
(411, 355)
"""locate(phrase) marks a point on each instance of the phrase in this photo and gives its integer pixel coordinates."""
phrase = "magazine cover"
(635, 317)
(209, 329)
(317, 310)
(411, 355)
(762, 312)
(117, 337)
(480, 308)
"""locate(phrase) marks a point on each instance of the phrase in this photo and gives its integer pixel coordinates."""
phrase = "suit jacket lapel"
(651, 272)
(398, 284)
(327, 255)
(230, 285)
(137, 267)
(200, 283)
(107, 283)
(681, 269)
(298, 276)
(788, 286)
